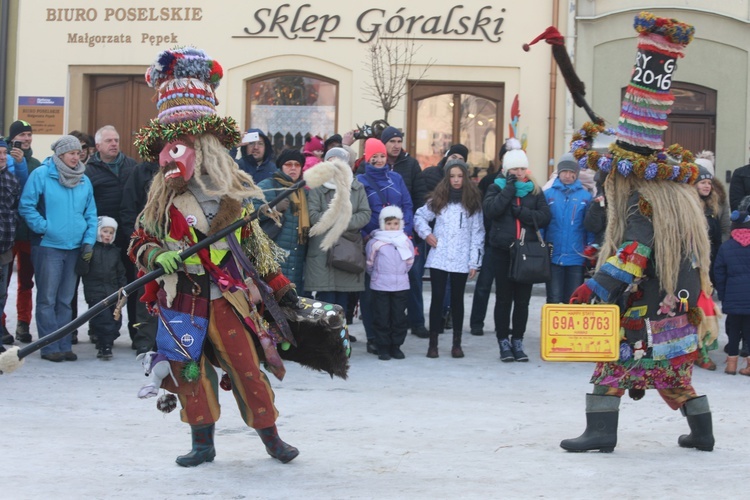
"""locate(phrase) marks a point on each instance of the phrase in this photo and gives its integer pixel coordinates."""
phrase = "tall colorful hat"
(185, 79)
(637, 146)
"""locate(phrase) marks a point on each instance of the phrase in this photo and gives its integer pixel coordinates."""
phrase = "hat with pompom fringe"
(185, 79)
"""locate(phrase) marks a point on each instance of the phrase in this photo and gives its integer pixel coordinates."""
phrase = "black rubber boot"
(275, 447)
(698, 416)
(203, 447)
(601, 426)
(432, 349)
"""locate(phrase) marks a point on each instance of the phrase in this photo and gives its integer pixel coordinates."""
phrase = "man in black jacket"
(257, 155)
(108, 169)
(739, 186)
(133, 200)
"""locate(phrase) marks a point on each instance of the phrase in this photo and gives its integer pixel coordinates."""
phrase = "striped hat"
(185, 80)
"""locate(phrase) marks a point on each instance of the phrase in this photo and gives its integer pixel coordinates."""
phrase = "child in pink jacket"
(390, 255)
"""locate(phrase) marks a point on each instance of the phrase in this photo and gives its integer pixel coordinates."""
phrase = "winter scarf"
(68, 177)
(741, 236)
(299, 207)
(115, 165)
(522, 188)
(455, 195)
(396, 238)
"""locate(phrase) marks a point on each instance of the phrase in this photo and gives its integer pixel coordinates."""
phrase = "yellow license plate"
(580, 332)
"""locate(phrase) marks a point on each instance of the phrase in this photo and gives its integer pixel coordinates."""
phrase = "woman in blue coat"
(58, 205)
(296, 218)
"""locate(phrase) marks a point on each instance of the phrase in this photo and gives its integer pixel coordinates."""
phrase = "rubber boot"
(432, 349)
(731, 368)
(601, 426)
(275, 447)
(456, 351)
(746, 370)
(203, 447)
(698, 415)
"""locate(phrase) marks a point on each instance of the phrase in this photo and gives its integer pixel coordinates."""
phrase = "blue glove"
(87, 251)
(169, 261)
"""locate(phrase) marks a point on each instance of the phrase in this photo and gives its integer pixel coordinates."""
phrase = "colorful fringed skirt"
(659, 356)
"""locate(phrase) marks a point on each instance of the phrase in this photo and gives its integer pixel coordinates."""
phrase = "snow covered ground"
(416, 428)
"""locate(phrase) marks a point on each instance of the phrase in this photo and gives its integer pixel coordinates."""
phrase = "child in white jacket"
(456, 245)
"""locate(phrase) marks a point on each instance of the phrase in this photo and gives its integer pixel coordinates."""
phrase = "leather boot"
(602, 413)
(275, 447)
(746, 370)
(731, 368)
(456, 351)
(203, 446)
(432, 349)
(698, 416)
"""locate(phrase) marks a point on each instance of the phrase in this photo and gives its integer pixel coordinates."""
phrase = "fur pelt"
(332, 221)
(320, 345)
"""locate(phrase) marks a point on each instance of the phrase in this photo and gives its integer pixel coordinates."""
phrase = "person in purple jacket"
(390, 255)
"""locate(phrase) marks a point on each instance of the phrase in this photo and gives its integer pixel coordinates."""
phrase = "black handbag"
(529, 260)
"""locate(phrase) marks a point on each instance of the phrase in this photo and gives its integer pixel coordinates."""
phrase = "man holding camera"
(21, 163)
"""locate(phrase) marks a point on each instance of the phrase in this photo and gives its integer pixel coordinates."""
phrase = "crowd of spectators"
(456, 228)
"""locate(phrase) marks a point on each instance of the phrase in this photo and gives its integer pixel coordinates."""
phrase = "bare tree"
(389, 63)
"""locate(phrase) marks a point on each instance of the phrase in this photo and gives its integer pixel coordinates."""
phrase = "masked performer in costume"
(654, 260)
(221, 306)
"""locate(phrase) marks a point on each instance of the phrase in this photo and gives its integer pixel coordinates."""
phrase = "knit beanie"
(313, 144)
(455, 162)
(458, 149)
(18, 127)
(704, 164)
(741, 218)
(704, 173)
(105, 221)
(64, 144)
(335, 138)
(515, 158)
(290, 155)
(373, 146)
(568, 162)
(337, 153)
(3, 144)
(388, 212)
(389, 133)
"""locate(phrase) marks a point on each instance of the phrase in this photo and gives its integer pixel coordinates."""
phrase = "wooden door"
(123, 101)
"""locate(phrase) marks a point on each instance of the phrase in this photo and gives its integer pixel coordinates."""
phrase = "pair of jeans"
(415, 307)
(509, 295)
(482, 290)
(441, 281)
(340, 298)
(563, 282)
(55, 286)
(4, 273)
